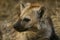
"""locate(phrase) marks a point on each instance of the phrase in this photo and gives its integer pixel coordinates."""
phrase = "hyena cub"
(33, 24)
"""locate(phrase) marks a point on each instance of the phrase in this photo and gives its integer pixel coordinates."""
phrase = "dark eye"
(26, 19)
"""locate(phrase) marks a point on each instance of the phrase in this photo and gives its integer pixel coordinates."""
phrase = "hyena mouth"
(19, 28)
(22, 29)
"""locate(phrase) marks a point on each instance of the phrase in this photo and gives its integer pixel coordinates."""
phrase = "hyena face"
(30, 16)
(34, 24)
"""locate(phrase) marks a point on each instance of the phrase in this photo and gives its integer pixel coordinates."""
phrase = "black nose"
(18, 27)
(26, 20)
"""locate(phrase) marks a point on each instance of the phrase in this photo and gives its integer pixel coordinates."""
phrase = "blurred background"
(10, 9)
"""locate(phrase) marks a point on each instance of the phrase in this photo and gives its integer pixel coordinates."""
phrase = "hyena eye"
(26, 19)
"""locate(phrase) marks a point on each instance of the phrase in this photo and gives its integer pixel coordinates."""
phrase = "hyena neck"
(53, 34)
(48, 26)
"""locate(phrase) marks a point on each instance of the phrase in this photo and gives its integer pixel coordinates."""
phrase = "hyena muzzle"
(34, 24)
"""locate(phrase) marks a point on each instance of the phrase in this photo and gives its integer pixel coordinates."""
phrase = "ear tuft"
(22, 6)
(41, 12)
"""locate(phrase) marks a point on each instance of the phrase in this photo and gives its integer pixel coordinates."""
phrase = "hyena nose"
(26, 20)
(19, 27)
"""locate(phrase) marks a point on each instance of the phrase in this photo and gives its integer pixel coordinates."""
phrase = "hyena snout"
(20, 25)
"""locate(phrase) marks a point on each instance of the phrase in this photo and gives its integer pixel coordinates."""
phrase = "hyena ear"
(41, 12)
(23, 5)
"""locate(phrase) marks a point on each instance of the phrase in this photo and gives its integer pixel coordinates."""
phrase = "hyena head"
(30, 16)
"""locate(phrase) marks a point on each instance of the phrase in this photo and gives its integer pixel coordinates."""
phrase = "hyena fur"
(33, 24)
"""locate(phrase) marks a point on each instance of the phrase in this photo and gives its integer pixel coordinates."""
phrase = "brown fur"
(36, 29)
